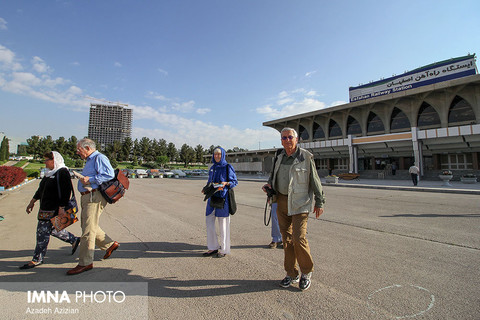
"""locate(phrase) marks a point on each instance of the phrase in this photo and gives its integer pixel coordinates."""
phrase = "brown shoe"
(79, 269)
(112, 248)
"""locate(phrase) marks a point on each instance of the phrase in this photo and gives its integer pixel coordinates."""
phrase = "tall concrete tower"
(109, 123)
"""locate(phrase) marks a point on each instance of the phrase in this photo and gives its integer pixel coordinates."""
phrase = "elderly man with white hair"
(295, 181)
(96, 171)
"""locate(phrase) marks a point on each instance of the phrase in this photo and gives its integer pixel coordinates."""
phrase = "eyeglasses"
(284, 138)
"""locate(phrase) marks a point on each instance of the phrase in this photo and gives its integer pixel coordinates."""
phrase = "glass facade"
(303, 133)
(399, 120)
(428, 117)
(334, 129)
(374, 124)
(460, 112)
(318, 131)
(353, 126)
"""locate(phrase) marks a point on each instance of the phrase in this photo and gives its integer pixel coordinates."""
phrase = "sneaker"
(305, 281)
(272, 245)
(287, 281)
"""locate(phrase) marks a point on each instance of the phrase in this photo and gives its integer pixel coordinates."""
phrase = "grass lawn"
(35, 166)
(20, 163)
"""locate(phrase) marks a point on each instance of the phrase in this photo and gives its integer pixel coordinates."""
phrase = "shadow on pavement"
(432, 215)
(158, 287)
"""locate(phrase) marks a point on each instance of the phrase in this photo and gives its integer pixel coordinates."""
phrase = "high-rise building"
(109, 123)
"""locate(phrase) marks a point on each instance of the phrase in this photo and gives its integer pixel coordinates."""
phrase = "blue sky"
(210, 72)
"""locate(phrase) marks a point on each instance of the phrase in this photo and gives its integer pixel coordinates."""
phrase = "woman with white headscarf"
(53, 192)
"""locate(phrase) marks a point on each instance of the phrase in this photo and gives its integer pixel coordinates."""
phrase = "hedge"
(11, 176)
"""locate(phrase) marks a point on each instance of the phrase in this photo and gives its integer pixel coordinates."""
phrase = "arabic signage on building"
(434, 73)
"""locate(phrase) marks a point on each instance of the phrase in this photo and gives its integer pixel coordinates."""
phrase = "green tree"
(61, 146)
(162, 161)
(136, 150)
(199, 153)
(72, 148)
(114, 150)
(79, 163)
(210, 150)
(69, 162)
(146, 151)
(161, 148)
(135, 160)
(114, 163)
(127, 148)
(172, 151)
(4, 149)
(22, 150)
(187, 154)
(46, 145)
(33, 147)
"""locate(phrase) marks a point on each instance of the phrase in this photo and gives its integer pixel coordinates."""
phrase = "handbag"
(217, 202)
(64, 219)
(68, 215)
(232, 204)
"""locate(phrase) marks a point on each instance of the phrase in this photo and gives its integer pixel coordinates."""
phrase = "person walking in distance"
(295, 181)
(414, 173)
(96, 171)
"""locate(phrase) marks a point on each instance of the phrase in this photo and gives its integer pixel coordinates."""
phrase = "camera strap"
(265, 221)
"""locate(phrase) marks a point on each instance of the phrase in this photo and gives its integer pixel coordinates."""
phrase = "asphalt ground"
(379, 254)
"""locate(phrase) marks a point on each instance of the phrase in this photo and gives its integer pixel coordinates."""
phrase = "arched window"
(318, 131)
(353, 126)
(374, 123)
(303, 133)
(399, 120)
(334, 129)
(427, 116)
(460, 111)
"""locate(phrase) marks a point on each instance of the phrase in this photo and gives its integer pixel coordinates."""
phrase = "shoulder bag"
(112, 190)
(67, 216)
(232, 204)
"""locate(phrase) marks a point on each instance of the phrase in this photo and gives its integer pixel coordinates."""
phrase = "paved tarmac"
(390, 184)
(388, 253)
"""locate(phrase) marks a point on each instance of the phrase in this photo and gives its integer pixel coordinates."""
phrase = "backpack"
(112, 190)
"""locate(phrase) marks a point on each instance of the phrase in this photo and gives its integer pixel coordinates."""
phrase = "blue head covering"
(218, 169)
(222, 161)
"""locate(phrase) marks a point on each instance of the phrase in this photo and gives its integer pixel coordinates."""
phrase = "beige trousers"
(295, 244)
(92, 207)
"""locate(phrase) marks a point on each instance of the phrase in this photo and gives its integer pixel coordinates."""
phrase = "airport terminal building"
(428, 116)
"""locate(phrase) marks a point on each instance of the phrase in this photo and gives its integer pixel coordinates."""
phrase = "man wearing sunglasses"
(295, 180)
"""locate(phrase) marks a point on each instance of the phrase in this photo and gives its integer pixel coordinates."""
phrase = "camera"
(270, 191)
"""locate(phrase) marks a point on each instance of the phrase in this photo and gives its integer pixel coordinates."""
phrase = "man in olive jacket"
(295, 181)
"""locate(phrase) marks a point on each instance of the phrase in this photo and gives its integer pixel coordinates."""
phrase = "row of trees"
(137, 151)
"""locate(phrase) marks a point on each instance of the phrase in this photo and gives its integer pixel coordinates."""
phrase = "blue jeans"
(276, 235)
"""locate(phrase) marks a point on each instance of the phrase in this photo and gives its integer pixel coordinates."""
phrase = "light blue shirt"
(98, 169)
